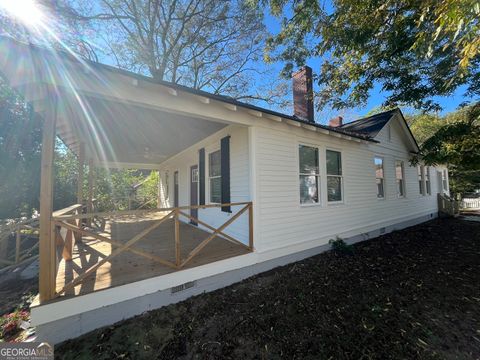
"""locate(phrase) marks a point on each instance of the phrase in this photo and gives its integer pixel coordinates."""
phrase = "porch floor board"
(128, 267)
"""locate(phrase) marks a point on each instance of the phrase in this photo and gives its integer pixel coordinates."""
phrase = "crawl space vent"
(183, 287)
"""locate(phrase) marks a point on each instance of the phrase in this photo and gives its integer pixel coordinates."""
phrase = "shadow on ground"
(409, 294)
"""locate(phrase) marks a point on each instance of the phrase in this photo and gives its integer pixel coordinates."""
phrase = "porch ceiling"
(124, 135)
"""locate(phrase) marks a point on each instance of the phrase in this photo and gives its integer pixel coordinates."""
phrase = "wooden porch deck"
(128, 267)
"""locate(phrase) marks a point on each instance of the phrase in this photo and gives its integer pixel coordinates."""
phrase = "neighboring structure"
(269, 188)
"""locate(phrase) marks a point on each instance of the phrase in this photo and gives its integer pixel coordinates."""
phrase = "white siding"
(283, 222)
(239, 179)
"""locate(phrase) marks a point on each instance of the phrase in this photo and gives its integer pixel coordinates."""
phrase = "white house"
(281, 185)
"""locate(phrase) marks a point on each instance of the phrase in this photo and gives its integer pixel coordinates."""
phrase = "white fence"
(470, 203)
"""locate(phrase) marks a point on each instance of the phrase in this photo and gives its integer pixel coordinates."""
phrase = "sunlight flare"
(26, 11)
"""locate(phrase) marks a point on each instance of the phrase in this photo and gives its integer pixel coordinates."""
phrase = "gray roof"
(370, 126)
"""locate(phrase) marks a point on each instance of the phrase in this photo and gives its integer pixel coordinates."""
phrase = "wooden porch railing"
(65, 240)
(447, 206)
(72, 223)
(17, 228)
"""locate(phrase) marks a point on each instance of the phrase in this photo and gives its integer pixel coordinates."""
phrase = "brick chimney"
(336, 121)
(303, 94)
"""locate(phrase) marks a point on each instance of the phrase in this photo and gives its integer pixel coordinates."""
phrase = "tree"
(456, 143)
(204, 44)
(415, 49)
(20, 150)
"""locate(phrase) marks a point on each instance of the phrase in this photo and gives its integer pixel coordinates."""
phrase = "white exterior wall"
(286, 224)
(239, 180)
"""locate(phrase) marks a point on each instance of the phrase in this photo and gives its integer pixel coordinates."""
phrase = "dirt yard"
(409, 294)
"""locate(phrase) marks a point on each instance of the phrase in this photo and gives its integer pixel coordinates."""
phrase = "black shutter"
(201, 176)
(225, 171)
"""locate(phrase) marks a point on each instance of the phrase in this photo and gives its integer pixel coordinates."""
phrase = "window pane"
(215, 190)
(334, 163)
(399, 169)
(400, 187)
(334, 187)
(308, 189)
(214, 163)
(308, 159)
(380, 192)
(379, 168)
(420, 179)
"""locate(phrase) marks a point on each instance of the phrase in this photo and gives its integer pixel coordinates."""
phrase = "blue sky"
(377, 96)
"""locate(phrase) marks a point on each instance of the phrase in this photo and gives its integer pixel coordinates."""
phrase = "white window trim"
(337, 202)
(375, 173)
(403, 178)
(207, 161)
(423, 192)
(319, 175)
(167, 185)
(428, 190)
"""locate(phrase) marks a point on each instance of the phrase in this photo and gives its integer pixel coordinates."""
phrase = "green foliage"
(415, 49)
(424, 125)
(340, 246)
(20, 150)
(20, 156)
(455, 141)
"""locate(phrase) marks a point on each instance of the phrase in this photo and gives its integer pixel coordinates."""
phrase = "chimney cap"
(336, 121)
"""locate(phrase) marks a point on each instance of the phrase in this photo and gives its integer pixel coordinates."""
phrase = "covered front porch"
(112, 119)
(106, 256)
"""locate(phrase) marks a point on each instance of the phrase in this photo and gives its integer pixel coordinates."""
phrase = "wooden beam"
(172, 92)
(294, 123)
(139, 212)
(48, 261)
(178, 255)
(213, 235)
(81, 164)
(255, 113)
(114, 253)
(100, 237)
(18, 243)
(230, 106)
(90, 189)
(220, 233)
(203, 99)
(274, 117)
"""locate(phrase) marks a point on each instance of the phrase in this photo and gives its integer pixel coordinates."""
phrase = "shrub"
(340, 246)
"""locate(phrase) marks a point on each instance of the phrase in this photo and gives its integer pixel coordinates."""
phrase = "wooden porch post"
(47, 254)
(81, 166)
(90, 190)
(81, 163)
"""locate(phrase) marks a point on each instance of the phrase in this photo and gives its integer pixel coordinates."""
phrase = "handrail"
(73, 225)
(67, 210)
(142, 211)
(447, 205)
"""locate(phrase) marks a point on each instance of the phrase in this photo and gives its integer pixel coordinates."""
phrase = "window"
(421, 180)
(309, 174)
(444, 180)
(399, 173)
(379, 177)
(195, 175)
(334, 175)
(167, 185)
(427, 181)
(214, 177)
